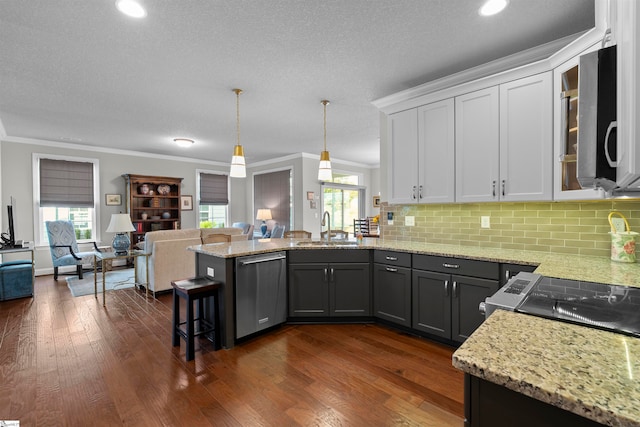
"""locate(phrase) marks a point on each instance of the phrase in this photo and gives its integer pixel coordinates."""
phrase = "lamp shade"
(324, 170)
(264, 214)
(120, 223)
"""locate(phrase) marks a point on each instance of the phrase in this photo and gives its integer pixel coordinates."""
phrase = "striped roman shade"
(66, 183)
(213, 189)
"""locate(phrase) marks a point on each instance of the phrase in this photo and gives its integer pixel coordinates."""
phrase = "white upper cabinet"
(436, 152)
(504, 142)
(421, 153)
(526, 139)
(403, 156)
(477, 146)
(627, 35)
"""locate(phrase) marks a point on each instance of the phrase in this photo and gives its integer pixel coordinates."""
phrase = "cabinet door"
(467, 294)
(526, 139)
(349, 289)
(403, 156)
(432, 303)
(392, 294)
(477, 146)
(308, 290)
(565, 134)
(436, 152)
(627, 34)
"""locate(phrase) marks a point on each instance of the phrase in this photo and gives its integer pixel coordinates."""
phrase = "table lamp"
(263, 214)
(121, 225)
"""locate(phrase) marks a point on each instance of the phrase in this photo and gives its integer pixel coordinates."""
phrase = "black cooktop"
(609, 307)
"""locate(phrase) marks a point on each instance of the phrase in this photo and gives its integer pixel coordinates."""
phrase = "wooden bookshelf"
(153, 202)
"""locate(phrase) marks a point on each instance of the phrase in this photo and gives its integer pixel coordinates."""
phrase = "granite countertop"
(586, 371)
(585, 268)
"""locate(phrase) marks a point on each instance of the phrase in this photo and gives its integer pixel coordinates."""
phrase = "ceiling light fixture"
(238, 166)
(131, 8)
(491, 7)
(324, 170)
(183, 142)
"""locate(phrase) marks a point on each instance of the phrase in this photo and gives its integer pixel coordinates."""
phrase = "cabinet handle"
(392, 270)
(493, 189)
(507, 275)
(413, 192)
(503, 185)
(445, 265)
(326, 274)
(391, 258)
(332, 274)
(420, 192)
(455, 289)
(446, 288)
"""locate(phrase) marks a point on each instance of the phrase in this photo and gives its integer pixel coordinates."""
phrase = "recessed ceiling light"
(131, 8)
(183, 142)
(491, 7)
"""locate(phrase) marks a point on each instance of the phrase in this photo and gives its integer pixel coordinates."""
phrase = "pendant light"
(238, 167)
(324, 171)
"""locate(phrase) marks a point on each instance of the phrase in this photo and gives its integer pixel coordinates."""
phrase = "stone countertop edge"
(575, 267)
(586, 371)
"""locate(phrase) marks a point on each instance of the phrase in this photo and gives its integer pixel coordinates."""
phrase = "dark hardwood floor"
(69, 361)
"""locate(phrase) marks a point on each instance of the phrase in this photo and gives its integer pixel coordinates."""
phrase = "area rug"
(119, 279)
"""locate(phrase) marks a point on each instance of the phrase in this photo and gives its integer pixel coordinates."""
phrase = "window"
(66, 188)
(344, 199)
(213, 199)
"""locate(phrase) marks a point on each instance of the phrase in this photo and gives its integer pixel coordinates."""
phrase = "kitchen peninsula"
(513, 350)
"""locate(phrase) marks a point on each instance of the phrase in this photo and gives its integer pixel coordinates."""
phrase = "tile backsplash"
(560, 227)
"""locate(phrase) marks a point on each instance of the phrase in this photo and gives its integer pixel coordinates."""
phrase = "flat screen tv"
(8, 238)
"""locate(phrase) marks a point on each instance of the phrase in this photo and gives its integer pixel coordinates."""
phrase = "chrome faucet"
(328, 223)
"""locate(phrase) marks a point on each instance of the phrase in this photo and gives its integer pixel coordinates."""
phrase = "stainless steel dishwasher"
(261, 292)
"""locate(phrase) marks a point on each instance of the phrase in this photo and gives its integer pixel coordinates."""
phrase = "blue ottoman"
(16, 279)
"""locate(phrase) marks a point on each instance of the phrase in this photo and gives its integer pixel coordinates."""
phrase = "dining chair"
(297, 234)
(277, 232)
(64, 248)
(216, 238)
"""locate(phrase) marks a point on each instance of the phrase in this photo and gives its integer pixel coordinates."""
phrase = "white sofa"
(169, 258)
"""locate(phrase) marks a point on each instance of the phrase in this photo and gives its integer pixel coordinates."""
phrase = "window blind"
(66, 183)
(214, 189)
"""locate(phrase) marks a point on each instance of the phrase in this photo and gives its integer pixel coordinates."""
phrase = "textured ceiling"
(78, 71)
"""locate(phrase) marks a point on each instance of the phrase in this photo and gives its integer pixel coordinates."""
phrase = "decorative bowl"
(155, 217)
(164, 189)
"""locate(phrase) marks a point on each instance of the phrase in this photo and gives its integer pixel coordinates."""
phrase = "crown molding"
(533, 57)
(90, 148)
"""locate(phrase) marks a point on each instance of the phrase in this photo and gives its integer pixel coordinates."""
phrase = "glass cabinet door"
(569, 129)
(565, 140)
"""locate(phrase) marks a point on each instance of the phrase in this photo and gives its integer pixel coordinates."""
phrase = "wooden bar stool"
(195, 289)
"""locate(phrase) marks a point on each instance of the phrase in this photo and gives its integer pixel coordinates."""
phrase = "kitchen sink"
(325, 244)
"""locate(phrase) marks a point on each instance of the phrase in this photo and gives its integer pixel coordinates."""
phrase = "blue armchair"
(64, 247)
(16, 279)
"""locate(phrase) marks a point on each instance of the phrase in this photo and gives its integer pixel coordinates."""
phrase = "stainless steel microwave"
(597, 126)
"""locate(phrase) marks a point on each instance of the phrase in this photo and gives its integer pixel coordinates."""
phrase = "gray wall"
(17, 180)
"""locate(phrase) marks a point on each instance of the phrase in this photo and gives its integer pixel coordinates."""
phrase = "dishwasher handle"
(260, 260)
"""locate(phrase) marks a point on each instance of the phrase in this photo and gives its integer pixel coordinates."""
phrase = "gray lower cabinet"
(446, 293)
(340, 287)
(392, 287)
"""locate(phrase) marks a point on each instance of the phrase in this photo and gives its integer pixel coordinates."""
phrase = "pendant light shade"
(324, 170)
(238, 166)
